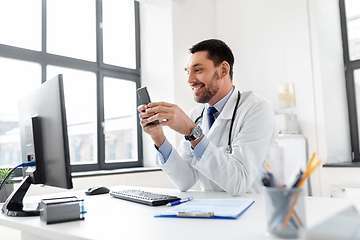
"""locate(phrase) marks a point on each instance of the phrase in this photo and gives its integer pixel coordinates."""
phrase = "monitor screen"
(45, 107)
(44, 139)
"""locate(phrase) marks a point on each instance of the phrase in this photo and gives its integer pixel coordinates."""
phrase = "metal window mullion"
(100, 120)
(137, 35)
(344, 35)
(46, 58)
(354, 64)
(350, 85)
(43, 38)
(353, 116)
(100, 88)
(99, 33)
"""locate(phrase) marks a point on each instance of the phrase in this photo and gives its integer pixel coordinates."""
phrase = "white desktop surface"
(112, 218)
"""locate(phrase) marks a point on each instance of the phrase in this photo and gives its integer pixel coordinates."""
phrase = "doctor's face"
(203, 78)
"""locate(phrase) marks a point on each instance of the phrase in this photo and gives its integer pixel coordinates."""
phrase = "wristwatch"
(195, 134)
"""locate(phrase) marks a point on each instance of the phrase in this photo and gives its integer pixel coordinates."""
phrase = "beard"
(210, 91)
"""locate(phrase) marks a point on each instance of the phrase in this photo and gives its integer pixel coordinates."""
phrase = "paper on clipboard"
(226, 208)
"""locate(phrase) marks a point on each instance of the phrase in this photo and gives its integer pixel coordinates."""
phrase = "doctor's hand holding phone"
(144, 97)
(166, 114)
(153, 128)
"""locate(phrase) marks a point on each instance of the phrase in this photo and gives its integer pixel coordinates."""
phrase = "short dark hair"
(217, 51)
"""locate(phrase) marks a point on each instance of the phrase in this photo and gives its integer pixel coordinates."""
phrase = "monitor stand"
(14, 204)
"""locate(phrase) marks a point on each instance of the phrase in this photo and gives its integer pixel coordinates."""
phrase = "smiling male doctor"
(225, 150)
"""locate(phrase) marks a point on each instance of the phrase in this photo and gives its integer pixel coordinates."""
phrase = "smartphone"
(144, 97)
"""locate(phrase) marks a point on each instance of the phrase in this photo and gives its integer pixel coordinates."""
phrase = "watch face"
(197, 132)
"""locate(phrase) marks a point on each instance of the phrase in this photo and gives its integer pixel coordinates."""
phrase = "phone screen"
(144, 97)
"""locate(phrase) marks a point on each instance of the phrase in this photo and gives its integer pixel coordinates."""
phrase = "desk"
(112, 218)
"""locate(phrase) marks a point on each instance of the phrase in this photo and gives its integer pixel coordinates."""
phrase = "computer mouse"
(97, 190)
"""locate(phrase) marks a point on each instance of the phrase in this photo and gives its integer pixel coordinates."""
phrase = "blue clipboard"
(226, 208)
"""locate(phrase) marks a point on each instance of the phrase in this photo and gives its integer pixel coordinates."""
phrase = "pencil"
(308, 172)
(309, 169)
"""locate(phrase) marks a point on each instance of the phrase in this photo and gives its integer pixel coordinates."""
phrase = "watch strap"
(190, 137)
(196, 133)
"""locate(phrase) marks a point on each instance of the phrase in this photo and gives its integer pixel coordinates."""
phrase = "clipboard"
(225, 208)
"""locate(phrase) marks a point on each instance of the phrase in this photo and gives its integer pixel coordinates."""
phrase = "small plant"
(3, 173)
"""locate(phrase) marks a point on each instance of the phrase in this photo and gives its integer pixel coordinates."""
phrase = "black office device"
(144, 197)
(44, 139)
(144, 97)
(97, 190)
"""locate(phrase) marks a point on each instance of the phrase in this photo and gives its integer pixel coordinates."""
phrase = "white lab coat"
(254, 130)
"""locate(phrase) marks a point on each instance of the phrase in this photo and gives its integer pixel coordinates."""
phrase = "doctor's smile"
(196, 89)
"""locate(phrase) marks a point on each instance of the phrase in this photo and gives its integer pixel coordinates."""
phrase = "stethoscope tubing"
(229, 150)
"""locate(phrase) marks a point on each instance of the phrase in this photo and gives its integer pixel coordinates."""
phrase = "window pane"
(119, 33)
(71, 30)
(353, 25)
(20, 23)
(17, 79)
(120, 120)
(80, 104)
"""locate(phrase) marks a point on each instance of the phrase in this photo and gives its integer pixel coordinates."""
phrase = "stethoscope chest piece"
(228, 150)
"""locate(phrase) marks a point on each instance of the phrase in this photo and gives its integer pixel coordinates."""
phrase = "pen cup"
(285, 212)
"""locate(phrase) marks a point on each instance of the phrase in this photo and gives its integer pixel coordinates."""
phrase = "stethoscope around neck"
(228, 148)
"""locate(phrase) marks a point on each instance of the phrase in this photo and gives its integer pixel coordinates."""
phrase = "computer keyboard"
(144, 197)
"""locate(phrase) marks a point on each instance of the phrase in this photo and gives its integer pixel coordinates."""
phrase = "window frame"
(101, 70)
(349, 67)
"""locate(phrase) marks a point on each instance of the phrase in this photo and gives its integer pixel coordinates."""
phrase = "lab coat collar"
(228, 109)
(226, 112)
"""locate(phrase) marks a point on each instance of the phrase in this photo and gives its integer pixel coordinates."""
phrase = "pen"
(179, 201)
(268, 179)
(195, 214)
(309, 169)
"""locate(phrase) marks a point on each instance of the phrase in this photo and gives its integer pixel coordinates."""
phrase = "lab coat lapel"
(225, 115)
(205, 121)
(228, 109)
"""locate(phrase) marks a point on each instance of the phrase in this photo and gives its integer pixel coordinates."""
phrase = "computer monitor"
(44, 139)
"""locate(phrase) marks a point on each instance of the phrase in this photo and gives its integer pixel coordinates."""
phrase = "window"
(14, 85)
(63, 24)
(80, 112)
(350, 27)
(98, 55)
(17, 32)
(120, 122)
(118, 50)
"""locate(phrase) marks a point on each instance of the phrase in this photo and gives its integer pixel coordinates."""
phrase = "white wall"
(168, 29)
(189, 28)
(271, 44)
(298, 42)
(274, 42)
(333, 128)
(329, 82)
(157, 66)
